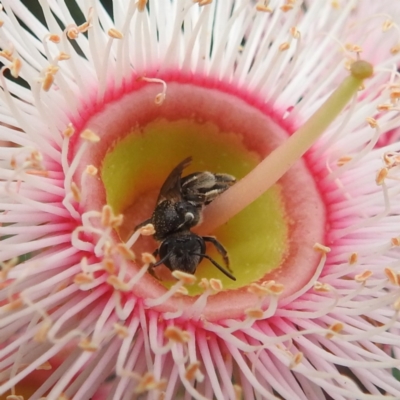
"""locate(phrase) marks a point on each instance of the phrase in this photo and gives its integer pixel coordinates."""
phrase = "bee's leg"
(221, 249)
(223, 270)
(144, 223)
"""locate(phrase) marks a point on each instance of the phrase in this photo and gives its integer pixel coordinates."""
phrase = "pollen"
(147, 230)
(263, 6)
(296, 360)
(353, 258)
(41, 334)
(321, 248)
(115, 33)
(238, 391)
(128, 254)
(257, 289)
(192, 370)
(343, 160)
(392, 276)
(121, 331)
(381, 175)
(395, 241)
(284, 46)
(388, 24)
(395, 49)
(363, 276)
(384, 107)
(91, 170)
(216, 285)
(46, 366)
(141, 5)
(396, 305)
(322, 287)
(83, 278)
(47, 81)
(54, 38)
(109, 265)
(149, 382)
(255, 313)
(177, 335)
(286, 7)
(273, 287)
(76, 193)
(15, 67)
(87, 345)
(372, 122)
(182, 290)
(117, 284)
(62, 56)
(90, 136)
(69, 131)
(334, 329)
(148, 258)
(187, 279)
(13, 305)
(295, 32)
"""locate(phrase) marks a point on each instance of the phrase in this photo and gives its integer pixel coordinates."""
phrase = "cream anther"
(148, 258)
(334, 329)
(15, 67)
(284, 46)
(361, 278)
(176, 334)
(141, 5)
(90, 136)
(69, 131)
(321, 248)
(392, 276)
(115, 33)
(147, 230)
(91, 170)
(187, 279)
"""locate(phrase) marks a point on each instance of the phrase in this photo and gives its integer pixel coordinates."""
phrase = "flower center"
(224, 130)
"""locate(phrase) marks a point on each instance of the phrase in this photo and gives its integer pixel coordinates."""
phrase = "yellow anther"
(69, 131)
(41, 334)
(255, 313)
(192, 370)
(15, 67)
(54, 38)
(321, 248)
(363, 276)
(117, 284)
(87, 345)
(141, 5)
(147, 230)
(121, 331)
(216, 285)
(381, 175)
(187, 279)
(90, 136)
(372, 122)
(115, 33)
(176, 334)
(83, 278)
(296, 360)
(63, 56)
(322, 287)
(109, 265)
(128, 254)
(334, 329)
(76, 193)
(286, 7)
(392, 276)
(91, 170)
(353, 258)
(284, 46)
(148, 258)
(343, 160)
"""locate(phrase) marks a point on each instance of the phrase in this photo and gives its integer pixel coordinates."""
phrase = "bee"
(179, 208)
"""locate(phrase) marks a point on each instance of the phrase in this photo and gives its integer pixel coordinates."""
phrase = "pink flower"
(93, 117)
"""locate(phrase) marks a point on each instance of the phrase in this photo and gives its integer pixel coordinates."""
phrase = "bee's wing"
(171, 188)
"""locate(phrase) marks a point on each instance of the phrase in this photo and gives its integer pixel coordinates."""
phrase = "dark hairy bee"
(178, 209)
